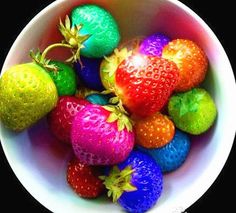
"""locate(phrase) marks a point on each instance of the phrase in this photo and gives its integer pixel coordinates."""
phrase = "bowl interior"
(39, 161)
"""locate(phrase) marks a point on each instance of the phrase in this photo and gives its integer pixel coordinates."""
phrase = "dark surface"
(219, 17)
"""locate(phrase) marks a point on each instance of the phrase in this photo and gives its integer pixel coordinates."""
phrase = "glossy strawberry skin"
(191, 61)
(27, 94)
(60, 118)
(84, 179)
(144, 83)
(154, 131)
(98, 142)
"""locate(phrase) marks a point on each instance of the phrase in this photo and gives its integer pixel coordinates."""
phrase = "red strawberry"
(144, 83)
(191, 61)
(60, 118)
(84, 179)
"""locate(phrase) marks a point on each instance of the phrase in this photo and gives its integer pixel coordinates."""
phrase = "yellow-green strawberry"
(27, 94)
(193, 111)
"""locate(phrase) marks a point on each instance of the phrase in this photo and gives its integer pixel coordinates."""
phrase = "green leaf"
(127, 171)
(118, 181)
(106, 92)
(129, 188)
(109, 193)
(117, 195)
(109, 108)
(183, 110)
(114, 100)
(112, 118)
(73, 37)
(115, 170)
(120, 125)
(102, 177)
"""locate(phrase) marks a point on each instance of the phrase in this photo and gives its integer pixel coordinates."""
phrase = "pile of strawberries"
(126, 110)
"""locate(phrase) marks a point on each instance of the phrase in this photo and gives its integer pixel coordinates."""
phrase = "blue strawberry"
(89, 73)
(171, 156)
(99, 99)
(136, 183)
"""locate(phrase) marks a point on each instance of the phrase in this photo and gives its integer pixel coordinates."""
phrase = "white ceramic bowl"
(40, 163)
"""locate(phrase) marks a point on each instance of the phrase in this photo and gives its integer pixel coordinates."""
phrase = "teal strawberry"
(27, 94)
(100, 25)
(64, 78)
(193, 112)
(99, 99)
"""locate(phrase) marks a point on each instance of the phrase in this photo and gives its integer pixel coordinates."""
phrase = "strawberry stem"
(50, 47)
(72, 40)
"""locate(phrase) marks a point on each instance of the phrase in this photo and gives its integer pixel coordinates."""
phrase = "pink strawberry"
(145, 83)
(101, 135)
(60, 118)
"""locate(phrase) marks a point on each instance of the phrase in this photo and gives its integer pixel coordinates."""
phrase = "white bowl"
(40, 163)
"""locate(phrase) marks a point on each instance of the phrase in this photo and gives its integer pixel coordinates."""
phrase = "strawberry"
(64, 78)
(144, 83)
(110, 63)
(99, 99)
(109, 66)
(154, 131)
(60, 118)
(193, 111)
(88, 73)
(154, 44)
(84, 179)
(136, 183)
(171, 156)
(100, 25)
(191, 61)
(27, 94)
(101, 135)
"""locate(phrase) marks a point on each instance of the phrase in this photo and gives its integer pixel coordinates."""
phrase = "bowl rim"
(209, 180)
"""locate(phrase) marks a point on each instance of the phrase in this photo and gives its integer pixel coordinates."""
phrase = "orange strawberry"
(154, 131)
(191, 61)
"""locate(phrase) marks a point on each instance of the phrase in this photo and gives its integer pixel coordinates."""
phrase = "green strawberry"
(64, 79)
(100, 25)
(27, 93)
(193, 112)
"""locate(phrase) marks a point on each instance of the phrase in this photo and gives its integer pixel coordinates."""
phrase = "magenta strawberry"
(101, 135)
(60, 118)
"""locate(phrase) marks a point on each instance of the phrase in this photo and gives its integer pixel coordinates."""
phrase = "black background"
(219, 15)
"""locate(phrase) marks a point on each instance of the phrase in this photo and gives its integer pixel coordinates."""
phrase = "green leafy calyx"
(43, 62)
(119, 114)
(118, 181)
(115, 59)
(188, 102)
(73, 38)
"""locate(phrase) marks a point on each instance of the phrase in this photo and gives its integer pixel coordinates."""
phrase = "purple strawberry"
(154, 44)
(101, 135)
